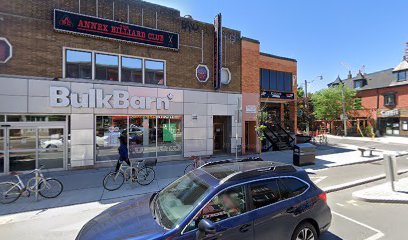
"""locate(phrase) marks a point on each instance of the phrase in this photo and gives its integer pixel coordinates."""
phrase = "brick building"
(384, 97)
(84, 72)
(268, 84)
(76, 75)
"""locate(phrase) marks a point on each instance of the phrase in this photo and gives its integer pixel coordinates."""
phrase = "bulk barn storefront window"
(113, 67)
(148, 136)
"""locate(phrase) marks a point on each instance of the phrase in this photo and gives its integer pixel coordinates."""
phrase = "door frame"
(33, 125)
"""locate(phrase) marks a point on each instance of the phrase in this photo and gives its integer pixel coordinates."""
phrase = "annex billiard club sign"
(76, 23)
(277, 95)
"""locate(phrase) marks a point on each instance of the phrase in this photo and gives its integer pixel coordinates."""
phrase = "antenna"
(362, 69)
(346, 65)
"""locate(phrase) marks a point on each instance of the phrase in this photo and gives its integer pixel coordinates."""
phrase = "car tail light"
(323, 196)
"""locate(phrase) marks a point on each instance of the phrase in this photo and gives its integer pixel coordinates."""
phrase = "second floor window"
(106, 67)
(78, 64)
(276, 81)
(359, 84)
(113, 67)
(389, 99)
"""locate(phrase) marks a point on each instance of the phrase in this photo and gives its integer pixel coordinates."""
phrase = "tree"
(261, 118)
(328, 102)
(305, 115)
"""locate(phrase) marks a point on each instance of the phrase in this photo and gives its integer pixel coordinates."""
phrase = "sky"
(326, 37)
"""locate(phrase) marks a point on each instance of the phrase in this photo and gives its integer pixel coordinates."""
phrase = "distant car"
(231, 200)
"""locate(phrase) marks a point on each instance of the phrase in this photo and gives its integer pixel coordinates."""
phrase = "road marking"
(353, 202)
(317, 179)
(339, 204)
(376, 236)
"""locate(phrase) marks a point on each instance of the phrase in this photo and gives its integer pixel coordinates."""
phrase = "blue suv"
(244, 200)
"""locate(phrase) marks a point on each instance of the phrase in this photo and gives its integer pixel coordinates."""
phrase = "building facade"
(82, 73)
(384, 98)
(269, 85)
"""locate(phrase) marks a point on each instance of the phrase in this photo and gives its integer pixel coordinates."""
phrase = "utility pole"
(344, 110)
(306, 102)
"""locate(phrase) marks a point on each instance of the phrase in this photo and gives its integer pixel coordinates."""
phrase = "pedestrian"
(123, 152)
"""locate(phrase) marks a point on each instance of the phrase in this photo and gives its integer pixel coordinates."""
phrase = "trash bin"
(304, 154)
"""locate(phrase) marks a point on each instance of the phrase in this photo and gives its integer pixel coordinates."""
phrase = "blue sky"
(320, 34)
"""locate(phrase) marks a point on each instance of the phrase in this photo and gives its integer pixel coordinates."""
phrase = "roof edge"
(250, 40)
(279, 57)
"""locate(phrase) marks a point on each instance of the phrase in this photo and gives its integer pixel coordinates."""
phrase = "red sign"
(6, 50)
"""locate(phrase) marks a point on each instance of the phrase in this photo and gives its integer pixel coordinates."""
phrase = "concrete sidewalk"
(83, 186)
(383, 193)
(385, 139)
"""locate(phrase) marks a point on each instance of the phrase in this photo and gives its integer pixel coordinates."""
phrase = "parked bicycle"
(46, 187)
(142, 173)
(197, 162)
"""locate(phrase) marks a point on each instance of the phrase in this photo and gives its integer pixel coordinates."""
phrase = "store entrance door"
(222, 134)
(26, 146)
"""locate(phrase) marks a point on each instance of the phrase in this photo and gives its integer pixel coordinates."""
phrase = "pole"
(344, 110)
(306, 103)
(391, 169)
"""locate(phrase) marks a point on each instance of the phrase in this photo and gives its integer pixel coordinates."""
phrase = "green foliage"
(328, 102)
(357, 105)
(368, 131)
(300, 93)
(305, 114)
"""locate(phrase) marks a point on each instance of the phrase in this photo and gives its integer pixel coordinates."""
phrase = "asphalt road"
(340, 175)
(357, 220)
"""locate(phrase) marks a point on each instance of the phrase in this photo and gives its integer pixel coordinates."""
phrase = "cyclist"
(123, 152)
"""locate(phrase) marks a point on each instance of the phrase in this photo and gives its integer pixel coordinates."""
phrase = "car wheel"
(305, 231)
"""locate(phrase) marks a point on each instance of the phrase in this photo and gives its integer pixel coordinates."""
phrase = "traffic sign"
(6, 50)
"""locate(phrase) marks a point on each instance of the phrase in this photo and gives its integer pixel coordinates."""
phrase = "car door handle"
(244, 228)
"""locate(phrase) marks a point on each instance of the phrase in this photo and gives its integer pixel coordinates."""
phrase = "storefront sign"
(390, 113)
(6, 50)
(217, 51)
(95, 98)
(250, 109)
(202, 73)
(277, 95)
(97, 27)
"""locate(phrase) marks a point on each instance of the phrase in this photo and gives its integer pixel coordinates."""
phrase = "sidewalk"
(383, 193)
(385, 139)
(83, 186)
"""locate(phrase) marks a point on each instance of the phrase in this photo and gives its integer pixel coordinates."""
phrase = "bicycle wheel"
(113, 181)
(190, 167)
(9, 192)
(145, 175)
(50, 188)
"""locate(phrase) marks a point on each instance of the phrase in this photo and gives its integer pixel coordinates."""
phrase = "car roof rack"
(260, 171)
(250, 159)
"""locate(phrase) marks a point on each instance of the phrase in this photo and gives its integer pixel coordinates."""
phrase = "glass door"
(22, 148)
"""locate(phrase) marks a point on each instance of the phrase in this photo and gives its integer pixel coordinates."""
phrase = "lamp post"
(343, 103)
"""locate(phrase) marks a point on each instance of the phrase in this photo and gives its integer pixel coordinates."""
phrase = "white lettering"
(59, 97)
(120, 99)
(102, 101)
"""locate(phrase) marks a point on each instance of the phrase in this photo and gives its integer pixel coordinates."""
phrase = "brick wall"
(37, 48)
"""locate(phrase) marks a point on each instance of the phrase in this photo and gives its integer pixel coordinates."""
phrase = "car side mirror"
(205, 227)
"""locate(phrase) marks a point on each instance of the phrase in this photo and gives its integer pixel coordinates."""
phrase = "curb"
(343, 186)
(378, 200)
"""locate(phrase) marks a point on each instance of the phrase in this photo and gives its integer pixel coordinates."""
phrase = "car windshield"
(179, 198)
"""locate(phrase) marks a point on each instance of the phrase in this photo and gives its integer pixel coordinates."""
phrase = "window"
(106, 67)
(115, 67)
(402, 76)
(359, 84)
(264, 193)
(132, 70)
(389, 99)
(169, 135)
(291, 187)
(78, 64)
(273, 80)
(265, 79)
(226, 204)
(178, 199)
(276, 81)
(154, 72)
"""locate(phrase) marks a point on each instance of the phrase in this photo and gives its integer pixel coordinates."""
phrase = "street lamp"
(343, 103)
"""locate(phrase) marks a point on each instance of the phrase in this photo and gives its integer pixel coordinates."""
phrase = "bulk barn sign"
(95, 98)
(97, 27)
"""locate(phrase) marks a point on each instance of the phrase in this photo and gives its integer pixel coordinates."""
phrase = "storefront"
(64, 124)
(393, 122)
